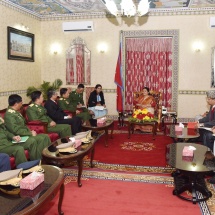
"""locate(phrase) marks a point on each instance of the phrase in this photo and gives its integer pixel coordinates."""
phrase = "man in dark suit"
(208, 122)
(57, 114)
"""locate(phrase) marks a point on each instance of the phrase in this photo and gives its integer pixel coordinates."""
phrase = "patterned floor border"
(207, 208)
(129, 168)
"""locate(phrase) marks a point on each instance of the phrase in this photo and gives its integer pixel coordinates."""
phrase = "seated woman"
(145, 100)
(96, 102)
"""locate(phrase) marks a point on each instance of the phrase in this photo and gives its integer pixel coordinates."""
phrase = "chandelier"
(128, 8)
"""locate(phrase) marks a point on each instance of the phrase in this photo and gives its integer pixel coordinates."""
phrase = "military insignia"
(67, 102)
(36, 105)
(61, 99)
(11, 111)
(31, 105)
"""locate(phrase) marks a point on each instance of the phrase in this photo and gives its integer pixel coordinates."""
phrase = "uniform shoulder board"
(11, 111)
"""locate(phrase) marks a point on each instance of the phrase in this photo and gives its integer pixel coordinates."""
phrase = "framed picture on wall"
(20, 45)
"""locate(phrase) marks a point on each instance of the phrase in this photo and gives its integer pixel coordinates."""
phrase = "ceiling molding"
(90, 15)
(182, 11)
(19, 9)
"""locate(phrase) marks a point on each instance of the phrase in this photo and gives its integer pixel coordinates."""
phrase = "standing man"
(36, 111)
(76, 101)
(208, 121)
(15, 124)
(57, 114)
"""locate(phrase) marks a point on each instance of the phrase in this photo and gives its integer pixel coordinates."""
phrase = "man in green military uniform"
(17, 149)
(36, 111)
(76, 102)
(15, 123)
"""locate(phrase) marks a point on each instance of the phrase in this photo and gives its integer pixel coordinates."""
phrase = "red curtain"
(69, 70)
(76, 64)
(148, 63)
(80, 64)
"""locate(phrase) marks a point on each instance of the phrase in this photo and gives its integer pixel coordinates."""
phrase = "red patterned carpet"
(127, 179)
(126, 183)
(140, 150)
(105, 193)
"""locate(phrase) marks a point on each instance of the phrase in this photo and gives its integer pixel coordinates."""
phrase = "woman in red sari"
(145, 100)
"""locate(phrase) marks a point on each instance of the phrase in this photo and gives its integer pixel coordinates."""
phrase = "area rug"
(111, 193)
(139, 150)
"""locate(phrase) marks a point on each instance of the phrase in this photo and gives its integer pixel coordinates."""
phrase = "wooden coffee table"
(131, 125)
(29, 202)
(109, 124)
(51, 155)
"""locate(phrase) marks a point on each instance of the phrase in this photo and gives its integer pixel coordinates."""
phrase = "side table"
(169, 115)
(168, 118)
(122, 115)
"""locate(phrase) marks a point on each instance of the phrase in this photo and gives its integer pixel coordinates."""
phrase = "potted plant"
(45, 87)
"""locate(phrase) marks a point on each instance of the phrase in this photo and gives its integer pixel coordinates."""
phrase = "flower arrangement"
(142, 115)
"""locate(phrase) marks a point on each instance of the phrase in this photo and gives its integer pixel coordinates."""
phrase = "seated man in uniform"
(17, 149)
(65, 104)
(76, 101)
(36, 111)
(57, 114)
(15, 124)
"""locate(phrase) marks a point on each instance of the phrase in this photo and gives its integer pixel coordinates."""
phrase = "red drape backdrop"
(80, 64)
(148, 63)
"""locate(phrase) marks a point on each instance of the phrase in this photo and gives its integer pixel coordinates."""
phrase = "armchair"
(158, 103)
(88, 90)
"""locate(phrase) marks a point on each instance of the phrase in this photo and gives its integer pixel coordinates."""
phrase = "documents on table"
(208, 129)
(100, 108)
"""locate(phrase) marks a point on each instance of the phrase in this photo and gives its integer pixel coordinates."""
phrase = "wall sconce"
(24, 27)
(102, 48)
(55, 48)
(197, 46)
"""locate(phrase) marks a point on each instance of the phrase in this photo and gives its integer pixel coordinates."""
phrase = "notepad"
(23, 139)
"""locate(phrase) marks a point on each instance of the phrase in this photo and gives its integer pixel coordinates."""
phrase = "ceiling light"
(128, 8)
